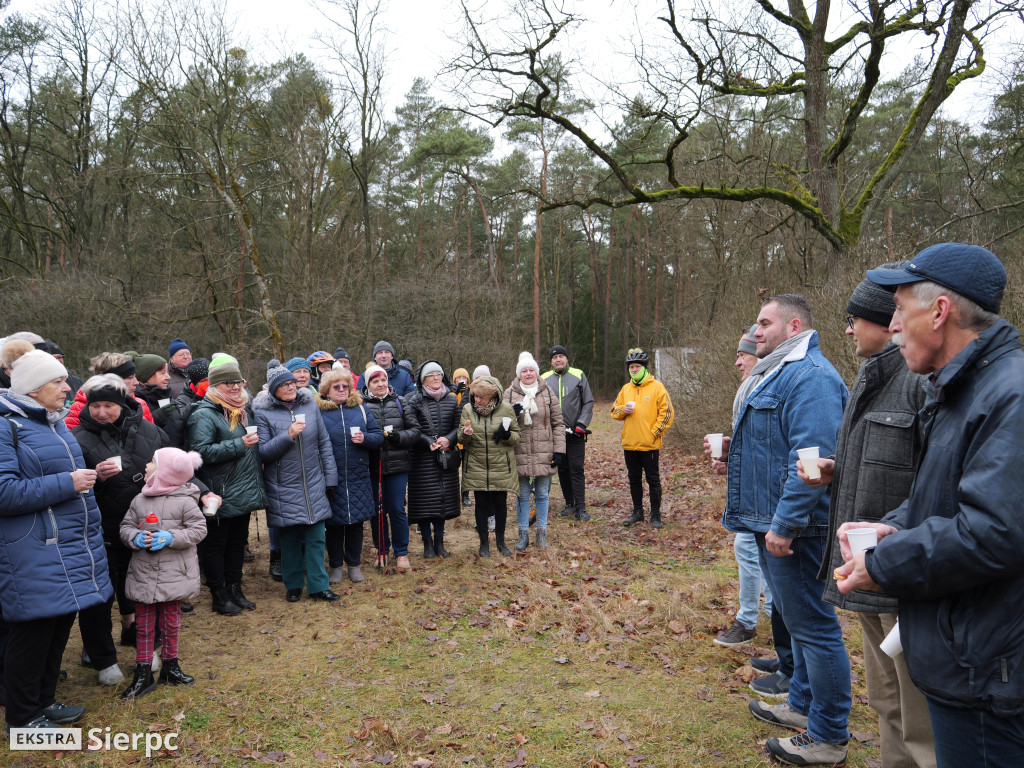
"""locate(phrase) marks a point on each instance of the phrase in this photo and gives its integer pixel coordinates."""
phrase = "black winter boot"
(485, 547)
(636, 517)
(223, 604)
(141, 684)
(656, 519)
(275, 565)
(428, 548)
(439, 547)
(171, 673)
(235, 592)
(502, 548)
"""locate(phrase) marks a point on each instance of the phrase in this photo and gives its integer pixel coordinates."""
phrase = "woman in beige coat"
(541, 448)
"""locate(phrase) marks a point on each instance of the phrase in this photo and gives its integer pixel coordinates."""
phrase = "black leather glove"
(461, 387)
(331, 490)
(518, 408)
(501, 434)
(393, 437)
(557, 459)
(580, 431)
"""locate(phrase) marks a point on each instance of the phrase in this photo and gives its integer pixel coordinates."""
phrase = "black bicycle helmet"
(637, 355)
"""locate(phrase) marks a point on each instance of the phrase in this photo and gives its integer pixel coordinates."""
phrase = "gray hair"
(970, 316)
(105, 380)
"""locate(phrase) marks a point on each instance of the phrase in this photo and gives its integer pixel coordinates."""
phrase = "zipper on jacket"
(348, 501)
(305, 489)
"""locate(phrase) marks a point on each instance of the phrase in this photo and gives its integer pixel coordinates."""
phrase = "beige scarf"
(234, 406)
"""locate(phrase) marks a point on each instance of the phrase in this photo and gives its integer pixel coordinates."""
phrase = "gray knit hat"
(748, 344)
(428, 368)
(873, 302)
(381, 346)
(278, 376)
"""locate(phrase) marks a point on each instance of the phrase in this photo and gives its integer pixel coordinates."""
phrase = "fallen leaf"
(562, 659)
(497, 707)
(443, 730)
(592, 694)
(386, 759)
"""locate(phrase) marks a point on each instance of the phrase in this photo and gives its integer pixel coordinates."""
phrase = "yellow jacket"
(642, 430)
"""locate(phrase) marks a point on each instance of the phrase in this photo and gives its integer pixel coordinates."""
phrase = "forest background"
(160, 180)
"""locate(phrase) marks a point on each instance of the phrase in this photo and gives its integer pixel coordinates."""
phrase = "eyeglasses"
(434, 376)
(234, 384)
(849, 321)
(340, 387)
(289, 385)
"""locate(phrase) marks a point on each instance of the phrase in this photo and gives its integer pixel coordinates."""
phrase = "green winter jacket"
(229, 469)
(487, 465)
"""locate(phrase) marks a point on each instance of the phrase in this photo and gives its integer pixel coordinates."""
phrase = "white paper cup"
(809, 457)
(354, 431)
(892, 646)
(211, 507)
(715, 441)
(250, 430)
(632, 403)
(388, 428)
(300, 418)
(163, 403)
(861, 539)
(506, 422)
(117, 460)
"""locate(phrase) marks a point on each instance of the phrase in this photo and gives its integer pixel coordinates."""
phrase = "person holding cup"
(645, 410)
(118, 443)
(217, 430)
(870, 475)
(299, 472)
(52, 559)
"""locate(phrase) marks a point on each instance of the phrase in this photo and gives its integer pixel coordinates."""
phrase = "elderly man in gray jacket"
(876, 453)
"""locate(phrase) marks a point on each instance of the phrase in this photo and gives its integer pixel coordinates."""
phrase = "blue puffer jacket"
(798, 405)
(52, 560)
(297, 472)
(353, 501)
(957, 565)
(399, 379)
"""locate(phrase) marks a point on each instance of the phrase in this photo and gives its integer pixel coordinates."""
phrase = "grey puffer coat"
(296, 473)
(544, 437)
(171, 573)
(433, 491)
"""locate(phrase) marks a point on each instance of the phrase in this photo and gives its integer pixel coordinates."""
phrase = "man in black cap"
(577, 403)
(953, 552)
(876, 453)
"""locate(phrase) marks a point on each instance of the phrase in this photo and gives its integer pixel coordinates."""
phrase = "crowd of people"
(140, 483)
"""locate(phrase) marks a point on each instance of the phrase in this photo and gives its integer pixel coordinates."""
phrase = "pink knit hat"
(174, 468)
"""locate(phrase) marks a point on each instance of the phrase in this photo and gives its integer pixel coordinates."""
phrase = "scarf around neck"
(529, 401)
(639, 377)
(235, 406)
(438, 393)
(764, 367)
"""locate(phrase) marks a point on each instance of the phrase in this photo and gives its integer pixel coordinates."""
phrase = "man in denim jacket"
(795, 400)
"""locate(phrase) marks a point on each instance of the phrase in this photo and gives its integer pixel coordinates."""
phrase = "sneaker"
(775, 686)
(39, 722)
(490, 523)
(248, 556)
(735, 635)
(804, 749)
(466, 500)
(86, 661)
(768, 666)
(63, 714)
(567, 512)
(112, 675)
(581, 516)
(402, 563)
(778, 714)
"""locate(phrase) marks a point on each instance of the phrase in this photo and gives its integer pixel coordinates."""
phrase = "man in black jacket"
(577, 403)
(953, 552)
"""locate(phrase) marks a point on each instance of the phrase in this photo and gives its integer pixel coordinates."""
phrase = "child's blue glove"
(160, 540)
(140, 540)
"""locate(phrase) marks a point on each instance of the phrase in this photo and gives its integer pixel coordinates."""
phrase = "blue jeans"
(397, 533)
(745, 547)
(540, 487)
(976, 737)
(820, 685)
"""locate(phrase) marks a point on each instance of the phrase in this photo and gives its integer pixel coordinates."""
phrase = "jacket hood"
(131, 411)
(10, 403)
(491, 382)
(264, 400)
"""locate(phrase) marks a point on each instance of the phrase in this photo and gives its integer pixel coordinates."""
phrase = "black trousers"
(570, 472)
(96, 628)
(32, 665)
(491, 504)
(223, 550)
(638, 464)
(344, 544)
(438, 531)
(119, 557)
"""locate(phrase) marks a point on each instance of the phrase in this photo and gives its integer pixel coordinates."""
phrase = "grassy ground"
(596, 652)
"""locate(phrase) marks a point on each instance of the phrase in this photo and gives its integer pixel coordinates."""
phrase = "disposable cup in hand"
(211, 507)
(164, 403)
(715, 441)
(117, 460)
(809, 457)
(506, 422)
(861, 539)
(631, 403)
(892, 646)
(300, 418)
(354, 431)
(388, 428)
(250, 430)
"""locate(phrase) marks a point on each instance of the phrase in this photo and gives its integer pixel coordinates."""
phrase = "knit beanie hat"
(107, 388)
(407, 364)
(223, 367)
(874, 302)
(197, 370)
(340, 353)
(33, 370)
(273, 363)
(526, 361)
(460, 373)
(50, 346)
(12, 349)
(481, 370)
(748, 344)
(429, 368)
(383, 345)
(558, 349)
(146, 365)
(176, 346)
(373, 370)
(296, 363)
(278, 376)
(174, 467)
